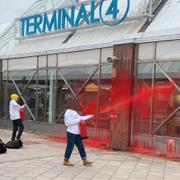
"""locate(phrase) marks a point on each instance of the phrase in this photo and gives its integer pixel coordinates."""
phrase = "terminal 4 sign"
(107, 12)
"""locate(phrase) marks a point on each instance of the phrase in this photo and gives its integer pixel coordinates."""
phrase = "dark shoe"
(87, 163)
(67, 163)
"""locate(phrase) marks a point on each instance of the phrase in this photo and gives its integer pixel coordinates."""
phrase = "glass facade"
(157, 108)
(44, 84)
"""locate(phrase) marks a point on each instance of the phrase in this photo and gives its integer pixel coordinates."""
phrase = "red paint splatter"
(142, 95)
(88, 142)
(147, 147)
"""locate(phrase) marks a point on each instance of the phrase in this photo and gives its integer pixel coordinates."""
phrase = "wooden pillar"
(122, 90)
(1, 90)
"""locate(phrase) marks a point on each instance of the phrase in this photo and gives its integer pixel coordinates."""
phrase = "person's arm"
(74, 118)
(84, 118)
(16, 105)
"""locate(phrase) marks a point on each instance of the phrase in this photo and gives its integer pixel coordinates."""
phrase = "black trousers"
(17, 126)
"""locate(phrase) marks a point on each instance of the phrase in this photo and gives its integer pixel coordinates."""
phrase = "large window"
(45, 82)
(80, 83)
(23, 82)
(143, 100)
(157, 111)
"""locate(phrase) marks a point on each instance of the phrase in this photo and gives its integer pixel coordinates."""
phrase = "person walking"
(14, 111)
(72, 120)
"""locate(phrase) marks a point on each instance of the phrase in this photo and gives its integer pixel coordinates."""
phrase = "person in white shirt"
(14, 109)
(72, 120)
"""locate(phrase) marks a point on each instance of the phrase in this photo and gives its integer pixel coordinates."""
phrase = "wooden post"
(1, 90)
(122, 90)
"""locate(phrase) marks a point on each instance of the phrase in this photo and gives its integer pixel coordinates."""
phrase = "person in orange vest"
(14, 111)
(72, 120)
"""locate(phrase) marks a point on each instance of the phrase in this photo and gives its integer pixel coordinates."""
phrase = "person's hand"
(93, 115)
(23, 106)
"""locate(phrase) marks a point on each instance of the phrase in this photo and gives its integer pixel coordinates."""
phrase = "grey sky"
(11, 9)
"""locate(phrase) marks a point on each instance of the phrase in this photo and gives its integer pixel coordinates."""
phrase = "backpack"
(14, 144)
(2, 147)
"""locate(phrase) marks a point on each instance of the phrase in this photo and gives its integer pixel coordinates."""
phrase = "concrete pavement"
(41, 159)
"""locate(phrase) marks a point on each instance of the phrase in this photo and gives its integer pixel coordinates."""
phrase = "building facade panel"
(132, 87)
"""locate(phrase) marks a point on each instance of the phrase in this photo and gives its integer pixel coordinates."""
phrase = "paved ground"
(41, 159)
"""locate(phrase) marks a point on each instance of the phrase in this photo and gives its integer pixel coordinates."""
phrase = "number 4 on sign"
(113, 10)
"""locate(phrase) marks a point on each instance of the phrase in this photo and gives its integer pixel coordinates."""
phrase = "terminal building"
(123, 68)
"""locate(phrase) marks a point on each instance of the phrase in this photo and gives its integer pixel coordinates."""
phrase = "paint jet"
(142, 95)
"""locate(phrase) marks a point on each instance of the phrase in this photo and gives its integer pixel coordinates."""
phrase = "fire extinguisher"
(83, 130)
(22, 114)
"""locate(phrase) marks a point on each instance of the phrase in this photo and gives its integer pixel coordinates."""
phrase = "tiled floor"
(41, 159)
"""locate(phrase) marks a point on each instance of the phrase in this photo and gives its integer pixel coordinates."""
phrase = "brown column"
(122, 88)
(1, 89)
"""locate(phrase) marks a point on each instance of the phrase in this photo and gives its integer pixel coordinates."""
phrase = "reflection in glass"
(105, 95)
(78, 83)
(165, 98)
(143, 100)
(41, 96)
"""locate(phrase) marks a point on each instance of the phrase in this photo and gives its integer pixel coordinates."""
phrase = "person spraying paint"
(72, 120)
(14, 111)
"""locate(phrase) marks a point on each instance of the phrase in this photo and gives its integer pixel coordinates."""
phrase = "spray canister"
(83, 130)
(22, 114)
